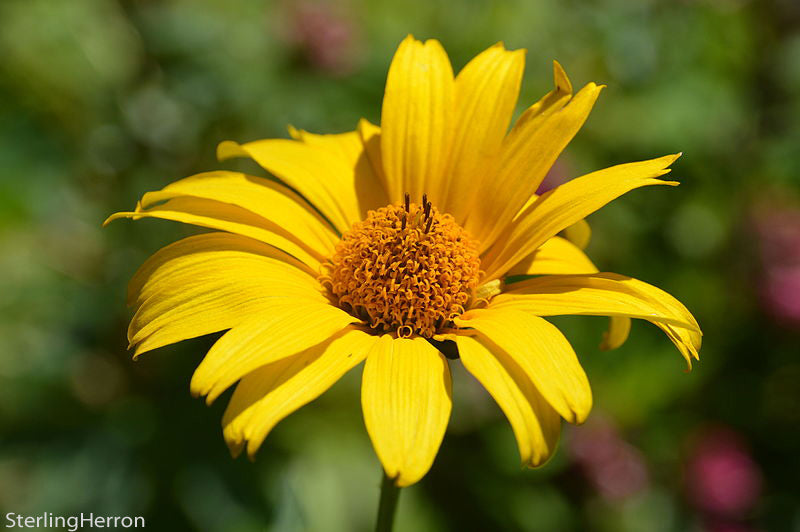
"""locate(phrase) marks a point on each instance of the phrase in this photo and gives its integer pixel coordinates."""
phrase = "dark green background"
(103, 100)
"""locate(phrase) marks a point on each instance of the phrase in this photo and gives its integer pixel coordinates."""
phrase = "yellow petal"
(283, 211)
(687, 341)
(542, 352)
(191, 258)
(284, 329)
(528, 152)
(559, 256)
(618, 331)
(208, 283)
(566, 204)
(347, 146)
(417, 120)
(579, 233)
(600, 294)
(350, 147)
(550, 102)
(226, 217)
(535, 424)
(321, 177)
(406, 399)
(272, 392)
(371, 139)
(486, 94)
(556, 256)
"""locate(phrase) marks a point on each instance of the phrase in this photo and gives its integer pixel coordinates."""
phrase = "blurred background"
(102, 100)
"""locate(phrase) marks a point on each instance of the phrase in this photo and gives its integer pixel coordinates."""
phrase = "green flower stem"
(387, 506)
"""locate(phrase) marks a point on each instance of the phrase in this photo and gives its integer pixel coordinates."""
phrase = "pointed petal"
(536, 425)
(598, 294)
(486, 94)
(208, 283)
(351, 148)
(579, 233)
(279, 206)
(197, 259)
(566, 204)
(371, 139)
(269, 394)
(551, 102)
(602, 294)
(617, 334)
(556, 256)
(417, 120)
(528, 152)
(542, 352)
(406, 399)
(321, 177)
(687, 341)
(226, 217)
(285, 329)
(559, 256)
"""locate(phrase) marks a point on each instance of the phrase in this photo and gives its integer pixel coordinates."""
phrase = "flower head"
(379, 244)
(406, 269)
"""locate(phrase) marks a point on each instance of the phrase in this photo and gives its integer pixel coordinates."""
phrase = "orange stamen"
(407, 267)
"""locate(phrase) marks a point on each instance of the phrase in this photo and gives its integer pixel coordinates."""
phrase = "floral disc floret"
(406, 268)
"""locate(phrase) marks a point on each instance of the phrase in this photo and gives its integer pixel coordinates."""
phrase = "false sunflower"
(391, 245)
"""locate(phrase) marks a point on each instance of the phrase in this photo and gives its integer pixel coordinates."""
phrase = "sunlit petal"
(536, 425)
(542, 352)
(269, 394)
(406, 399)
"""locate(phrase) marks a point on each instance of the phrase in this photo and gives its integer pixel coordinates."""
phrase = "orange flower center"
(406, 268)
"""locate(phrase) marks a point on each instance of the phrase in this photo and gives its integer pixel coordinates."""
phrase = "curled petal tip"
(235, 446)
(227, 149)
(295, 133)
(212, 394)
(195, 389)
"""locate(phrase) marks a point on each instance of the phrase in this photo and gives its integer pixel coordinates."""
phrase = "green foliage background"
(102, 100)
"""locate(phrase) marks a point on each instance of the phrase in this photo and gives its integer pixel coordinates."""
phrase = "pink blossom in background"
(778, 233)
(613, 466)
(722, 479)
(324, 34)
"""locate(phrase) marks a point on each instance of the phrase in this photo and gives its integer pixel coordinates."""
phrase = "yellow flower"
(386, 243)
